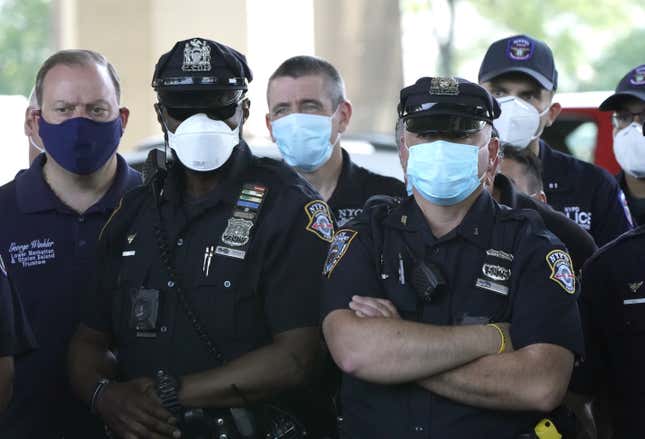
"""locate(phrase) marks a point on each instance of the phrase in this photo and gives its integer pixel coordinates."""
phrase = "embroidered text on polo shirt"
(30, 254)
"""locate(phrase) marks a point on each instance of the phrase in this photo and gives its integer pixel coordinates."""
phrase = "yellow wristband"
(502, 343)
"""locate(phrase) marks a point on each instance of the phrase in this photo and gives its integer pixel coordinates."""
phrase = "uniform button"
(81, 219)
(180, 242)
(164, 329)
(227, 284)
(171, 284)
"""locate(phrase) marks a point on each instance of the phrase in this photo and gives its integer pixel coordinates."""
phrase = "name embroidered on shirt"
(34, 253)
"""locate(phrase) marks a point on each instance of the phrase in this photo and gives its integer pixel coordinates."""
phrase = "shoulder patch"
(337, 249)
(562, 270)
(320, 222)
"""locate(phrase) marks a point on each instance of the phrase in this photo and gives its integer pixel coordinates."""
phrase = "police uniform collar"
(227, 188)
(475, 227)
(34, 194)
(507, 192)
(555, 164)
(345, 179)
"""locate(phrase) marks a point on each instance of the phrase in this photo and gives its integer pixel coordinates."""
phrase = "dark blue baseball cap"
(523, 54)
(632, 85)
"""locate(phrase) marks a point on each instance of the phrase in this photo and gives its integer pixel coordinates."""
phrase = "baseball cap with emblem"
(201, 74)
(523, 54)
(451, 105)
(632, 85)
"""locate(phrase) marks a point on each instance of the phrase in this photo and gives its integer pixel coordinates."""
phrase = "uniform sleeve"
(16, 336)
(589, 374)
(611, 216)
(348, 270)
(544, 303)
(292, 277)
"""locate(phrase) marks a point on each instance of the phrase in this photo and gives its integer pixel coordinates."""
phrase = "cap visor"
(540, 78)
(614, 101)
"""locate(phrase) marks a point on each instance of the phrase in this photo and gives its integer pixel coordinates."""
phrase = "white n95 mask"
(629, 149)
(203, 144)
(518, 123)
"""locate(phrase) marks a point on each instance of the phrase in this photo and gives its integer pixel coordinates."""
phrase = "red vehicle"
(582, 130)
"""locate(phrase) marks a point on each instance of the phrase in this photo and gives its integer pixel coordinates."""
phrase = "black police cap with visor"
(452, 107)
(201, 76)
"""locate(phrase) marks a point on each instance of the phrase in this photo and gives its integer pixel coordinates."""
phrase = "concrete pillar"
(362, 38)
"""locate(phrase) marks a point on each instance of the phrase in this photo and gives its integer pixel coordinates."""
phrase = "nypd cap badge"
(444, 86)
(197, 56)
(519, 49)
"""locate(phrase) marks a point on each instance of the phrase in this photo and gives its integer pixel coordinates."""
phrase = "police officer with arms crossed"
(417, 293)
(52, 215)
(520, 72)
(308, 112)
(628, 105)
(16, 337)
(207, 283)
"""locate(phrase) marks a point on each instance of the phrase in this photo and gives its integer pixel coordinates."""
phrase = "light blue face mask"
(444, 173)
(303, 140)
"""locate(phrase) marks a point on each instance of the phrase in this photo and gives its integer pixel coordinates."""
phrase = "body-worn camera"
(144, 312)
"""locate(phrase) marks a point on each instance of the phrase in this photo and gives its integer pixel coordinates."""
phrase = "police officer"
(519, 185)
(416, 291)
(628, 106)
(207, 287)
(52, 215)
(308, 112)
(520, 72)
(16, 337)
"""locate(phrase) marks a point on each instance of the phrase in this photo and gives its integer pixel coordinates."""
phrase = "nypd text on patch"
(562, 273)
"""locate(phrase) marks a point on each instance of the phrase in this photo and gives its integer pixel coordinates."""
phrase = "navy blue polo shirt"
(498, 265)
(250, 272)
(49, 250)
(636, 205)
(585, 193)
(612, 306)
(16, 337)
(355, 185)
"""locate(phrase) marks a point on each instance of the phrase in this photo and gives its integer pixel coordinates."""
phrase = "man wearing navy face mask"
(421, 294)
(209, 284)
(308, 112)
(520, 72)
(53, 213)
(628, 105)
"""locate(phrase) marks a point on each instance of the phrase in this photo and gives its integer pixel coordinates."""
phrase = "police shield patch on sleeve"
(320, 223)
(562, 270)
(337, 249)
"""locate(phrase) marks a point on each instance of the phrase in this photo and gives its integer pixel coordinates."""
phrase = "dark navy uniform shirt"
(585, 193)
(355, 186)
(49, 251)
(579, 243)
(498, 264)
(16, 336)
(613, 312)
(636, 205)
(250, 273)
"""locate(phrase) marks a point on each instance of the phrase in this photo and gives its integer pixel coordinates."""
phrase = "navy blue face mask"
(80, 145)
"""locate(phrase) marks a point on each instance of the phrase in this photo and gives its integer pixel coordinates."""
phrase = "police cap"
(451, 106)
(632, 85)
(201, 73)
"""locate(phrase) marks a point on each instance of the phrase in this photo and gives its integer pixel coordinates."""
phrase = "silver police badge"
(197, 56)
(496, 272)
(237, 232)
(444, 86)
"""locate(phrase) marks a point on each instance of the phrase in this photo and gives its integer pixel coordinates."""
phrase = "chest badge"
(635, 286)
(561, 270)
(237, 232)
(496, 272)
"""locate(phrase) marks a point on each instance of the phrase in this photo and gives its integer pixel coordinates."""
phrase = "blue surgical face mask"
(303, 140)
(444, 173)
(80, 145)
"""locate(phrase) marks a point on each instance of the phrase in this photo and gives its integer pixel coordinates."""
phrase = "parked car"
(582, 130)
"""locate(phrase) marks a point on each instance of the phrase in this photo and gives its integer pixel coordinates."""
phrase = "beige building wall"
(362, 38)
(133, 34)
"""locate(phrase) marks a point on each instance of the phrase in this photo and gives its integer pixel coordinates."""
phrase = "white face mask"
(629, 149)
(519, 122)
(203, 144)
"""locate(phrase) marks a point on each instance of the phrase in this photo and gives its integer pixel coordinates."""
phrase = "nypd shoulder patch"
(320, 222)
(337, 249)
(562, 270)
